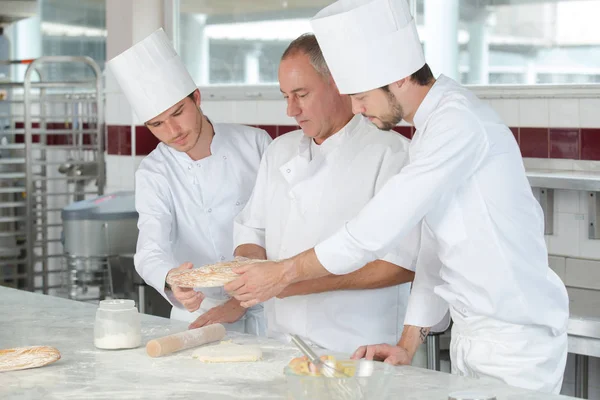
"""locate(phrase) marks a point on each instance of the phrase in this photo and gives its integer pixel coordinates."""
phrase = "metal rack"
(51, 154)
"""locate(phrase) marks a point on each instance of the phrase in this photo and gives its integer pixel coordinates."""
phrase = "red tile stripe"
(54, 138)
(563, 143)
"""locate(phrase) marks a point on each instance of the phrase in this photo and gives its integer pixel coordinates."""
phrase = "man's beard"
(394, 116)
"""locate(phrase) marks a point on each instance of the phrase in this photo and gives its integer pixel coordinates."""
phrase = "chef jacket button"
(224, 157)
(237, 203)
(288, 170)
(222, 258)
(209, 210)
(190, 167)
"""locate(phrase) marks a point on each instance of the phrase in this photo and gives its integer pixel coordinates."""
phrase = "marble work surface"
(85, 372)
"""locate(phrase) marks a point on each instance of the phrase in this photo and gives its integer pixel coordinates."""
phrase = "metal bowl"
(371, 381)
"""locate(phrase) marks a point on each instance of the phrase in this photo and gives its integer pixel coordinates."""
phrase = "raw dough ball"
(228, 352)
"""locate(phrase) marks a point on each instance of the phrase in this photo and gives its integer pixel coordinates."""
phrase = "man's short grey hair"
(307, 44)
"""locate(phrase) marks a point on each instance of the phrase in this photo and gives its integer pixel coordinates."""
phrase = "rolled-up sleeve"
(451, 152)
(425, 307)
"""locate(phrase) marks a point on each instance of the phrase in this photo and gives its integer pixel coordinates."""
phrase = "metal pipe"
(433, 352)
(581, 376)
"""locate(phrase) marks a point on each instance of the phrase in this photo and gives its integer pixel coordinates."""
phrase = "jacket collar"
(431, 101)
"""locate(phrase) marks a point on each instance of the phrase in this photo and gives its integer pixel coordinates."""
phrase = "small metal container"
(471, 395)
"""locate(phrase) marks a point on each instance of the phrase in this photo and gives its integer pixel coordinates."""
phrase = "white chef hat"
(368, 44)
(152, 76)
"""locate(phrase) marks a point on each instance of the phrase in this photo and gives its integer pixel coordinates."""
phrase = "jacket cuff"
(341, 255)
(426, 309)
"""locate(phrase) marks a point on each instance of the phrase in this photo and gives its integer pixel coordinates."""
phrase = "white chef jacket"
(301, 199)
(467, 181)
(186, 208)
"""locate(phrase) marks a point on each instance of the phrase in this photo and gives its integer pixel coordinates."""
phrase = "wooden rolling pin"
(185, 340)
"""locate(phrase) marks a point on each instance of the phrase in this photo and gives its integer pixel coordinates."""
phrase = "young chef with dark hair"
(190, 188)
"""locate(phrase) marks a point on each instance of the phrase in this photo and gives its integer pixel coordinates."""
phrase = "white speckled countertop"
(85, 372)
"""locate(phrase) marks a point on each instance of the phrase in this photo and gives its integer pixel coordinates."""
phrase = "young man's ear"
(197, 97)
(400, 83)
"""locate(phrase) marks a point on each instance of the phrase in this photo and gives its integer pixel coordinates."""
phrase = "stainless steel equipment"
(99, 239)
(96, 234)
(45, 125)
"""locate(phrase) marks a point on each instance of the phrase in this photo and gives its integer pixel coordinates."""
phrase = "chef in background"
(465, 183)
(310, 181)
(189, 189)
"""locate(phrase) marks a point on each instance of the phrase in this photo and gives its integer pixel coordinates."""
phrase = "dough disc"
(228, 352)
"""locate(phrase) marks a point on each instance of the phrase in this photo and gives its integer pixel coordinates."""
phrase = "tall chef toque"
(368, 44)
(152, 76)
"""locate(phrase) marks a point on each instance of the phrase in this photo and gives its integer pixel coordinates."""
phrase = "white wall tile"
(588, 248)
(565, 241)
(584, 205)
(508, 109)
(533, 113)
(112, 109)
(219, 111)
(118, 111)
(127, 172)
(113, 170)
(558, 265)
(582, 273)
(273, 112)
(138, 161)
(564, 113)
(127, 116)
(590, 298)
(567, 201)
(589, 113)
(245, 112)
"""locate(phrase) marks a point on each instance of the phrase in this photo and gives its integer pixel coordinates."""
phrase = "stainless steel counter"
(87, 373)
(567, 179)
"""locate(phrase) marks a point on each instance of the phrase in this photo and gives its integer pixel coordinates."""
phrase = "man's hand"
(258, 282)
(188, 297)
(394, 355)
(228, 313)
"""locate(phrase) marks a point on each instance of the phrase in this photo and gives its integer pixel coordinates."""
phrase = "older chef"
(189, 189)
(466, 183)
(310, 181)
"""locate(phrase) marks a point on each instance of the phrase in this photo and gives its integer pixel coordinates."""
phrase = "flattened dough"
(228, 352)
(27, 357)
(209, 275)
